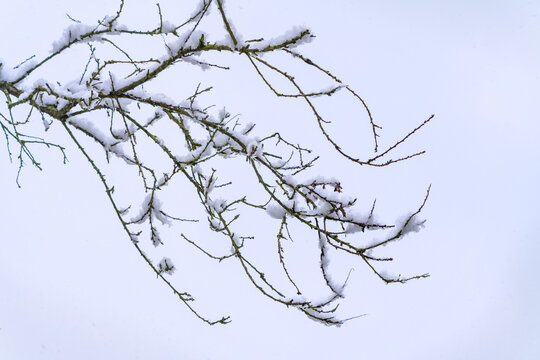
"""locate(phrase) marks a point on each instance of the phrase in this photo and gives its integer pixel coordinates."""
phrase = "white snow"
(167, 27)
(275, 210)
(414, 224)
(197, 170)
(10, 74)
(218, 205)
(220, 140)
(325, 261)
(288, 35)
(254, 149)
(156, 238)
(166, 266)
(186, 40)
(80, 32)
(200, 152)
(156, 212)
(202, 4)
(215, 224)
(73, 33)
(191, 60)
(237, 240)
(388, 276)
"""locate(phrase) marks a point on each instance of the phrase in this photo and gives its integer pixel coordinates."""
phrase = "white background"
(72, 286)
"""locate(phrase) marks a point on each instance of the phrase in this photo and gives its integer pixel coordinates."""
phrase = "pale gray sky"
(72, 286)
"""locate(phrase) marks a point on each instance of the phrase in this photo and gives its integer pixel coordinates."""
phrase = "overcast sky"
(72, 286)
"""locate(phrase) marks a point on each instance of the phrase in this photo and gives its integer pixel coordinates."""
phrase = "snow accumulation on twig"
(110, 102)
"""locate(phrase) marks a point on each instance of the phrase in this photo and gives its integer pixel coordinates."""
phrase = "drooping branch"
(112, 86)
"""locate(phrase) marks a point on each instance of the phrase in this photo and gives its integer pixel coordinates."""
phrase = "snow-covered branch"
(110, 104)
